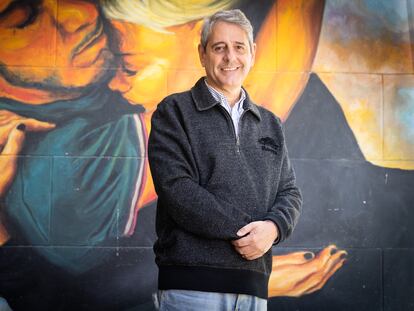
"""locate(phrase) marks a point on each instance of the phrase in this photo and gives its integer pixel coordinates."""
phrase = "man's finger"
(246, 229)
(252, 255)
(245, 241)
(243, 249)
(246, 253)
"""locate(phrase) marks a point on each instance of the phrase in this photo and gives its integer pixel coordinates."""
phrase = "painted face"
(52, 44)
(155, 63)
(228, 57)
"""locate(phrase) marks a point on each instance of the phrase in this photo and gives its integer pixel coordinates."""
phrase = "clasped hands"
(256, 238)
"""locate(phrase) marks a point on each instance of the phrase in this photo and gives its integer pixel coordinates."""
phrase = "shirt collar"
(204, 100)
(223, 100)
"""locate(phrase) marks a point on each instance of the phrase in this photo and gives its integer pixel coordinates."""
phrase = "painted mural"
(79, 81)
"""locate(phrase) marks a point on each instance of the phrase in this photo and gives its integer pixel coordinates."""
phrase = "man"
(226, 189)
(80, 105)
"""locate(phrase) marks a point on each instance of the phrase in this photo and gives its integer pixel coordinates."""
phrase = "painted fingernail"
(308, 256)
(21, 127)
(342, 256)
(333, 251)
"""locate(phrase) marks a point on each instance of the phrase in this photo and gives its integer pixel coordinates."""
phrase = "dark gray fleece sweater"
(211, 183)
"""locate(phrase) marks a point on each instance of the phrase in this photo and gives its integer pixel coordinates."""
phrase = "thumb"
(8, 164)
(245, 230)
(15, 140)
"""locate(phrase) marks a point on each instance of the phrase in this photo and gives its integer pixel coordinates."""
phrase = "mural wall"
(79, 81)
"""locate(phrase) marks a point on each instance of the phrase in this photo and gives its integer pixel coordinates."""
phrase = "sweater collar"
(204, 100)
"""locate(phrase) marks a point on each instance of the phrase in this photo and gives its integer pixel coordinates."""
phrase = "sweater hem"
(209, 279)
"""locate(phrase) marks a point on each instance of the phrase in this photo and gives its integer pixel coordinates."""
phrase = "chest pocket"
(264, 160)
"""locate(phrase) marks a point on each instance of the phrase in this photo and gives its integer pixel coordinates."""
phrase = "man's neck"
(233, 97)
(31, 96)
(232, 94)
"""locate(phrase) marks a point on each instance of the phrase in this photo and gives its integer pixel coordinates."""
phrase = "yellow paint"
(370, 116)
(53, 50)
(290, 30)
(153, 56)
(362, 105)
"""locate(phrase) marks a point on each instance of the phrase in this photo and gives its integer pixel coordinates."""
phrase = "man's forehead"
(229, 32)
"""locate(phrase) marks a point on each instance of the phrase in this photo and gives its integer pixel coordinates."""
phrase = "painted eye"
(18, 15)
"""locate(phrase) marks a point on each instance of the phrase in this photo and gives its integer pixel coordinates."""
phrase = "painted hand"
(256, 239)
(12, 135)
(302, 273)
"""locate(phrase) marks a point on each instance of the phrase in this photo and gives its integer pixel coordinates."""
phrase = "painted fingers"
(13, 130)
(302, 273)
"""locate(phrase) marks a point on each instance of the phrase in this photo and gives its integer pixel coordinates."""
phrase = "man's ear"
(201, 54)
(253, 53)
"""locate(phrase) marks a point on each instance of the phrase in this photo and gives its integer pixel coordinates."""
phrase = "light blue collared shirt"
(236, 111)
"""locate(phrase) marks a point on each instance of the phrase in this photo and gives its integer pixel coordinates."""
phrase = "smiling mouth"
(230, 68)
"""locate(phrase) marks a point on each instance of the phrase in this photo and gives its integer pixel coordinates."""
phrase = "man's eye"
(219, 49)
(240, 48)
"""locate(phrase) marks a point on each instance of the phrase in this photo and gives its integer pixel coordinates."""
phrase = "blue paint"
(75, 187)
(405, 112)
(368, 19)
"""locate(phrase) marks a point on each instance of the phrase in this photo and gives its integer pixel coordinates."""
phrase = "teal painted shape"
(75, 184)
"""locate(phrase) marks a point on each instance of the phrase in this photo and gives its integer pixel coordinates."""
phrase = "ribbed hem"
(217, 280)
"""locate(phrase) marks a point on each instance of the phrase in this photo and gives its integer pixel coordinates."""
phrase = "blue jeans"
(4, 305)
(188, 300)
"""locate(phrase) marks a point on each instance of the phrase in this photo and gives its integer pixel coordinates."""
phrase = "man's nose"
(75, 16)
(229, 55)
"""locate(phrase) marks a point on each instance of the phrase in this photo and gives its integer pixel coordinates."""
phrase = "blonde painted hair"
(160, 14)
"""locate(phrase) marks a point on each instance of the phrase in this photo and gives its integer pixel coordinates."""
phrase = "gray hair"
(235, 16)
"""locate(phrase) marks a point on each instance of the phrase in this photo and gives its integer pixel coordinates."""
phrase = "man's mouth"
(230, 68)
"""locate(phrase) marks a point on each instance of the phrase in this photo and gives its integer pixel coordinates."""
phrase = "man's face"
(52, 44)
(228, 57)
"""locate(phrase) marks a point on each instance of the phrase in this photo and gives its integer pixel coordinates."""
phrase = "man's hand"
(12, 135)
(256, 239)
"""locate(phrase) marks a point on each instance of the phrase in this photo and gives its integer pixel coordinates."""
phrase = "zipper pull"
(238, 144)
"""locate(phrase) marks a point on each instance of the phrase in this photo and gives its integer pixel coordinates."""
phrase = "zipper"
(238, 126)
(226, 113)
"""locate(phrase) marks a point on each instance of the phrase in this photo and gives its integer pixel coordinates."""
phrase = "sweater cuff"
(280, 227)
